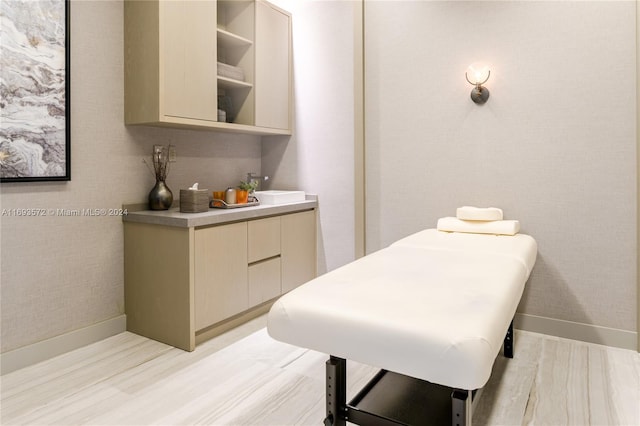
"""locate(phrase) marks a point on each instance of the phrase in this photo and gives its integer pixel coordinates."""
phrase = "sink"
(280, 197)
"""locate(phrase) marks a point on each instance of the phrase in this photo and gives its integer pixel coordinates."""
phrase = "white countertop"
(173, 216)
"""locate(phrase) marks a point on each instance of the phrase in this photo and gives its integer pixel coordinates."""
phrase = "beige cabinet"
(186, 60)
(220, 273)
(184, 285)
(170, 58)
(273, 63)
(298, 241)
(159, 283)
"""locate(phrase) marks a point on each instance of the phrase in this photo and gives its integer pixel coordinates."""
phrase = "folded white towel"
(477, 213)
(496, 227)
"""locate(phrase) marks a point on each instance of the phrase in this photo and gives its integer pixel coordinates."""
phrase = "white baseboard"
(577, 331)
(46, 349)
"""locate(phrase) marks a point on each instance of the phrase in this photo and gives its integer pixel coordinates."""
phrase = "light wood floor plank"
(548, 397)
(505, 397)
(614, 385)
(66, 375)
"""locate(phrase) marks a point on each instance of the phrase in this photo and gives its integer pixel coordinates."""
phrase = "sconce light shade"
(478, 74)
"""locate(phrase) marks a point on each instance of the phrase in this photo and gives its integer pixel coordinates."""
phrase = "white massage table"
(432, 311)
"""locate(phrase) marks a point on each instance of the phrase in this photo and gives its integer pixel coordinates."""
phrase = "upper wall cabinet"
(219, 65)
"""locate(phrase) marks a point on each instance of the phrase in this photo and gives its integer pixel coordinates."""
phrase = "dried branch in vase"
(160, 161)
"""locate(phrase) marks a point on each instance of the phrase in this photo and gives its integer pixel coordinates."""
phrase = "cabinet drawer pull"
(264, 260)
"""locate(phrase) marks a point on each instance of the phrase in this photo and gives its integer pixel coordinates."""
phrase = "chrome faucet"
(253, 177)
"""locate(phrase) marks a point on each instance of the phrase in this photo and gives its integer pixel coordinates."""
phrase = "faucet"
(253, 177)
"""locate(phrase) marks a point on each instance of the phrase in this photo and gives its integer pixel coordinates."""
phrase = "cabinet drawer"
(264, 239)
(264, 281)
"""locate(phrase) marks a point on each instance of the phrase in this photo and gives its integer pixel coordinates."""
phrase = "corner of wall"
(637, 164)
(358, 121)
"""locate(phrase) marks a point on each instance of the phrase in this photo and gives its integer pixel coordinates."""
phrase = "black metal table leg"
(461, 407)
(508, 342)
(336, 392)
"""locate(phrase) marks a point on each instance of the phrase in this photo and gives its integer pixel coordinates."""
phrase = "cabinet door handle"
(264, 260)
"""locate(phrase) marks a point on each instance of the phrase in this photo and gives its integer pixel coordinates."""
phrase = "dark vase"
(160, 197)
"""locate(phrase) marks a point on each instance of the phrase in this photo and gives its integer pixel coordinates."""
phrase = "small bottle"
(230, 196)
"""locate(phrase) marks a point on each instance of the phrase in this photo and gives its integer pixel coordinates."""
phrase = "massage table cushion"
(435, 306)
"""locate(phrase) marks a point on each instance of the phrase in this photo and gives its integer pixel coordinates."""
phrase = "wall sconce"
(478, 74)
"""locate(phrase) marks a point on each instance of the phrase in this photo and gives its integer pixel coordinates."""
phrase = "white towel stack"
(478, 213)
(478, 220)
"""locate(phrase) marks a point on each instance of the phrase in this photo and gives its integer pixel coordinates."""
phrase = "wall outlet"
(172, 154)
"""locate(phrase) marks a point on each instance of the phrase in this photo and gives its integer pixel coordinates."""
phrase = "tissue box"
(194, 200)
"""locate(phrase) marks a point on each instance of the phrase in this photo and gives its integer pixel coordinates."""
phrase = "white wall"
(319, 157)
(63, 273)
(554, 146)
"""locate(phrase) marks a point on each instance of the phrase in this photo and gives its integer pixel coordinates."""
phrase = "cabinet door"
(188, 58)
(221, 288)
(264, 281)
(158, 283)
(264, 239)
(273, 67)
(298, 249)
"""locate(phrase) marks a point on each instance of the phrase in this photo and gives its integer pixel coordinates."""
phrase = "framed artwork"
(34, 84)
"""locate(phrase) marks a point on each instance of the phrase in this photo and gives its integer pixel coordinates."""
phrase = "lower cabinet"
(220, 273)
(185, 285)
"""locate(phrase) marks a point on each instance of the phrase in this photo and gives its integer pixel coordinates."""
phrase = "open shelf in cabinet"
(231, 40)
(229, 83)
(235, 47)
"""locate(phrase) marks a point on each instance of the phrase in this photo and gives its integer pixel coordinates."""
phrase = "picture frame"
(35, 136)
